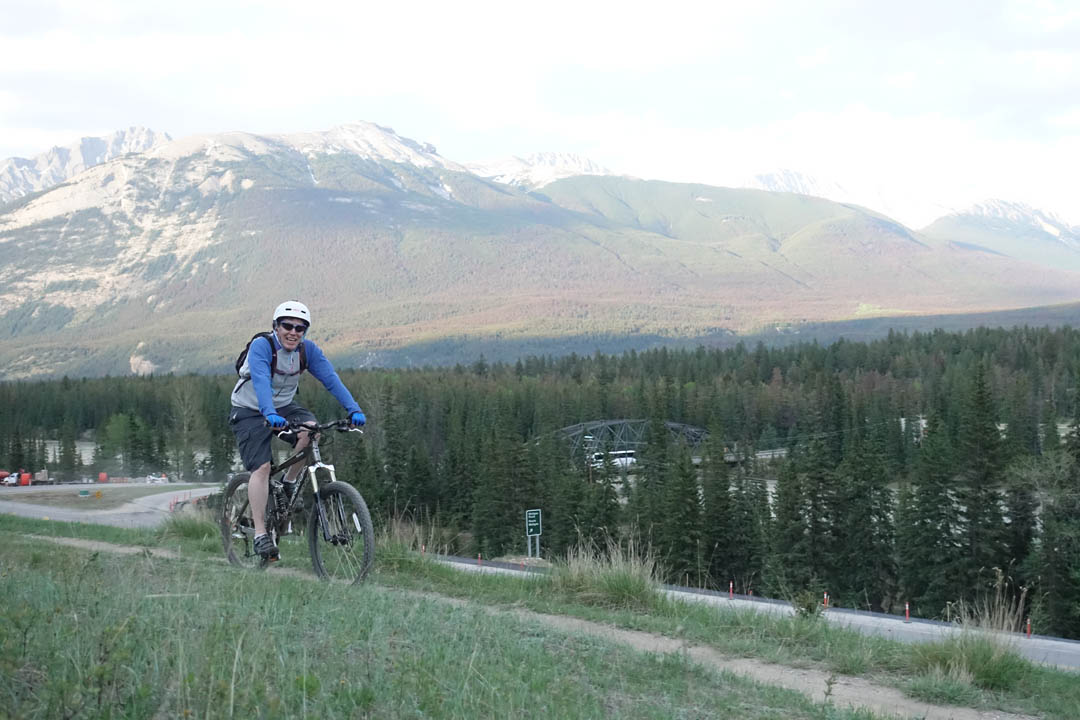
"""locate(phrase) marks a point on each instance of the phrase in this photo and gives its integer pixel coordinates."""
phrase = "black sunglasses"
(290, 327)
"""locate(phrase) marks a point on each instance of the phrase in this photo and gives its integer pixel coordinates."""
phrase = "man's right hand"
(275, 421)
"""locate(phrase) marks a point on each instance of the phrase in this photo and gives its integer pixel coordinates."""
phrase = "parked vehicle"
(618, 458)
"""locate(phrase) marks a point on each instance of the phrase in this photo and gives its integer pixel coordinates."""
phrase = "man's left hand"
(357, 419)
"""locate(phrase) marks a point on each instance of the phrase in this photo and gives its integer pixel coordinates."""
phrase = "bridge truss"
(614, 435)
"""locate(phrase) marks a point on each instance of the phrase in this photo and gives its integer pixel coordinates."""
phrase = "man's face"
(290, 331)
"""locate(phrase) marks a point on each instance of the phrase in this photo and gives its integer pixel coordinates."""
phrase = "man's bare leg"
(303, 439)
(258, 490)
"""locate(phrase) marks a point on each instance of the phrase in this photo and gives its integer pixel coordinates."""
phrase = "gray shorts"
(253, 435)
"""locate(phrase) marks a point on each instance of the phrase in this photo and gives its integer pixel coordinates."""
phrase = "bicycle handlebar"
(343, 425)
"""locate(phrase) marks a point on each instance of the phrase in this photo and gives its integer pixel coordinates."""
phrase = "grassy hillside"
(199, 637)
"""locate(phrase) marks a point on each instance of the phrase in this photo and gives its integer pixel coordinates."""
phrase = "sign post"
(532, 530)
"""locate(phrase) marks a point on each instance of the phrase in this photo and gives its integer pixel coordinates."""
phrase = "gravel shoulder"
(147, 511)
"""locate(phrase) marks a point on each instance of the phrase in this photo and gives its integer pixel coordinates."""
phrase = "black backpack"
(273, 355)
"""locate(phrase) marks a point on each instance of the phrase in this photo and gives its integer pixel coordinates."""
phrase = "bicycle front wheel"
(340, 535)
(237, 526)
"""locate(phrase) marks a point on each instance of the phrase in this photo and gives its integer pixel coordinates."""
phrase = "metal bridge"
(617, 435)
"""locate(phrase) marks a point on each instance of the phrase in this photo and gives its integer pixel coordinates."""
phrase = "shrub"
(617, 576)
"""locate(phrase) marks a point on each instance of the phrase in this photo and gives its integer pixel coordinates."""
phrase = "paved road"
(1050, 651)
(146, 511)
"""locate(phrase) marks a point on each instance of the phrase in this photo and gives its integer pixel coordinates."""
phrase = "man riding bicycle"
(262, 403)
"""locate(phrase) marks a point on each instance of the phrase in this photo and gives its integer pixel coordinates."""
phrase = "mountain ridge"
(23, 176)
(150, 261)
(537, 170)
(1013, 230)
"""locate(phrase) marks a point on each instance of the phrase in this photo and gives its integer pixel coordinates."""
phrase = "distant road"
(146, 511)
(1064, 654)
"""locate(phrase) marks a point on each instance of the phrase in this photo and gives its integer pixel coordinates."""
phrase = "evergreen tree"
(458, 468)
(981, 532)
(818, 485)
(493, 523)
(1022, 434)
(185, 433)
(1055, 563)
(864, 573)
(1021, 509)
(563, 491)
(599, 512)
(420, 484)
(717, 513)
(646, 501)
(506, 488)
(1051, 439)
(395, 453)
(69, 463)
(680, 527)
(789, 559)
(929, 533)
(751, 529)
(833, 422)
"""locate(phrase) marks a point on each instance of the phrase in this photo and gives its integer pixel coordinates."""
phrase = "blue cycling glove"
(275, 421)
(357, 418)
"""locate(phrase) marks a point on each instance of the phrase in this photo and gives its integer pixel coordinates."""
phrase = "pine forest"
(922, 468)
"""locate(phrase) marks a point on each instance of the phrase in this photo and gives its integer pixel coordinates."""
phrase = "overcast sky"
(942, 103)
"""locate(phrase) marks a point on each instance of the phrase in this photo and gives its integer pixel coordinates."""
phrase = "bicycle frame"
(312, 458)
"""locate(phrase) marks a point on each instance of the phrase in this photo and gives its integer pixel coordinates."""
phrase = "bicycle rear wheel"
(343, 548)
(237, 526)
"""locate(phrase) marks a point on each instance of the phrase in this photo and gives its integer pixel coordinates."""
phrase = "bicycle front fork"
(324, 523)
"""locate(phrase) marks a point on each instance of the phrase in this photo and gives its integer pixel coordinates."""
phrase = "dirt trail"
(845, 691)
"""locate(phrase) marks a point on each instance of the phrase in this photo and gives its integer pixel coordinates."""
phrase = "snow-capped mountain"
(176, 200)
(1012, 229)
(536, 170)
(794, 181)
(358, 140)
(21, 176)
(1022, 215)
(152, 259)
(372, 142)
(914, 212)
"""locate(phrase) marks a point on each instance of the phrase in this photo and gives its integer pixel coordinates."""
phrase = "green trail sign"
(532, 523)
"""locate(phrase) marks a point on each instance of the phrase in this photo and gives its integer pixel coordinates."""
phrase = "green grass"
(944, 687)
(617, 590)
(617, 578)
(989, 663)
(185, 639)
(968, 669)
(198, 529)
(86, 531)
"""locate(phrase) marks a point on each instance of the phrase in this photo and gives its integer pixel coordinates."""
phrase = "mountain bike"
(340, 537)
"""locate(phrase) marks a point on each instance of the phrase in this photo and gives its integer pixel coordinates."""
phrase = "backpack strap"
(273, 357)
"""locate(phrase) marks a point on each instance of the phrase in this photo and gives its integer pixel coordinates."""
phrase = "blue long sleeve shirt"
(260, 389)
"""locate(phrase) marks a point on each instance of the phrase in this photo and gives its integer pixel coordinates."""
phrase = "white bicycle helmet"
(293, 309)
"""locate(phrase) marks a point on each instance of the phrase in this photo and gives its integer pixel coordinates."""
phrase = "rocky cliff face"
(22, 176)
